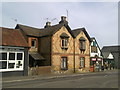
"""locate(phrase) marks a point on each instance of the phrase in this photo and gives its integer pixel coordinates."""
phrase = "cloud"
(99, 19)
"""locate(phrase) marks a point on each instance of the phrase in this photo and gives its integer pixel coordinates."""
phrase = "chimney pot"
(48, 24)
(63, 20)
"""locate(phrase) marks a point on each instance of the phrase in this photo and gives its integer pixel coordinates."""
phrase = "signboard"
(93, 59)
(99, 59)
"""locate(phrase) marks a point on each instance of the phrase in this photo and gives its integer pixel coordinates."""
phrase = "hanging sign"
(93, 59)
(99, 59)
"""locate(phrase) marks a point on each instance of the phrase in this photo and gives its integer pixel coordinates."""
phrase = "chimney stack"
(48, 24)
(63, 19)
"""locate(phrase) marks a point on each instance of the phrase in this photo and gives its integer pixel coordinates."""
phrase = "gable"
(77, 32)
(82, 35)
(110, 56)
(62, 31)
(94, 43)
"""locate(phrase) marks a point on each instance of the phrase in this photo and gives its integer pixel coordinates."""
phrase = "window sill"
(81, 67)
(82, 49)
(65, 48)
(33, 47)
(64, 69)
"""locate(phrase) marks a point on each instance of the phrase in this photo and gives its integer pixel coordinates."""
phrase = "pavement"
(49, 76)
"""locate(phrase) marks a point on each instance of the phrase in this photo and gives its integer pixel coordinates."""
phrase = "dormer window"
(64, 41)
(82, 44)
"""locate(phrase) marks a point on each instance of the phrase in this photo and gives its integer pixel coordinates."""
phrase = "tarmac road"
(97, 80)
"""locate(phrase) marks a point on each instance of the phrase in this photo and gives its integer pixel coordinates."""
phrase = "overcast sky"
(99, 18)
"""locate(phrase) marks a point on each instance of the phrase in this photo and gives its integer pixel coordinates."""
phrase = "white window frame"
(15, 61)
(82, 62)
(64, 42)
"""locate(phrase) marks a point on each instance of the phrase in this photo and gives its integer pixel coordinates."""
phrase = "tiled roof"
(42, 32)
(28, 30)
(77, 31)
(12, 37)
(49, 31)
(37, 56)
(111, 48)
(106, 54)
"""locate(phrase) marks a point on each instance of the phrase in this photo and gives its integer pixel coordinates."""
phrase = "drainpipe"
(74, 55)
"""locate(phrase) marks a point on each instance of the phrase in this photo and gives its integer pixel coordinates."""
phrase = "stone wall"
(40, 70)
(57, 53)
(78, 53)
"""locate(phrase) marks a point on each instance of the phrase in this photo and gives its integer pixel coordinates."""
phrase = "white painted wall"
(110, 56)
(92, 54)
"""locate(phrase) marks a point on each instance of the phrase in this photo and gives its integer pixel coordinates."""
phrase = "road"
(98, 80)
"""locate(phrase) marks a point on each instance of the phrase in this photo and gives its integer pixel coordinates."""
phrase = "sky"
(100, 19)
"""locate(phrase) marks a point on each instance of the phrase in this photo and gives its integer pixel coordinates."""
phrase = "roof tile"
(12, 37)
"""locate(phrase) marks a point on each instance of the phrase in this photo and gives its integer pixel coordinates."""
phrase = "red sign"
(93, 59)
(99, 59)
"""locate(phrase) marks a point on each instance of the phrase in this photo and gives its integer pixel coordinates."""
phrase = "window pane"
(63, 43)
(33, 43)
(64, 63)
(11, 65)
(3, 64)
(82, 62)
(66, 42)
(19, 56)
(11, 56)
(94, 43)
(3, 56)
(82, 45)
(18, 64)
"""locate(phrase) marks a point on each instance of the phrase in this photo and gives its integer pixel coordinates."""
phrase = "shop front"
(96, 64)
(109, 64)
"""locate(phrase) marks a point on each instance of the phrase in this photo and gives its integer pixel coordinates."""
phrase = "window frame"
(35, 42)
(64, 63)
(64, 43)
(82, 62)
(13, 61)
(94, 49)
(82, 45)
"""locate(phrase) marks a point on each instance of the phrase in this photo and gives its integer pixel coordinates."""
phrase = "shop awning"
(37, 56)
